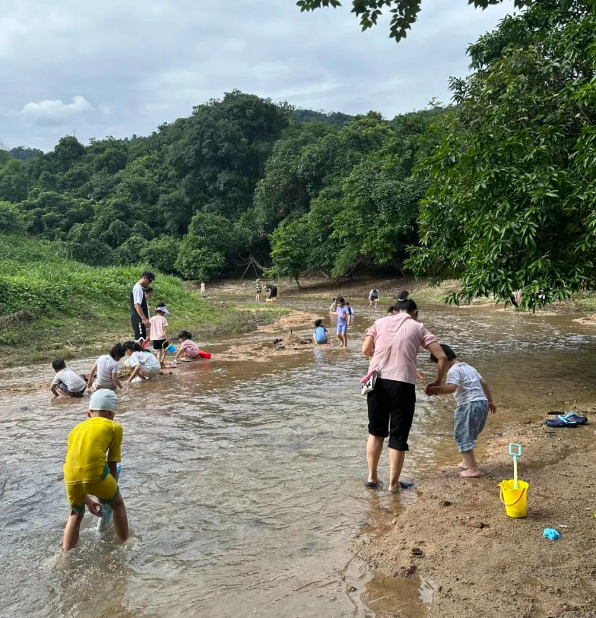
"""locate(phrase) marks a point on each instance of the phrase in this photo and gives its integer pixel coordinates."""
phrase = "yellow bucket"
(515, 500)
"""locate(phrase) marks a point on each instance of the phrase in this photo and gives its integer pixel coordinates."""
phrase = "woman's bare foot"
(470, 474)
(462, 465)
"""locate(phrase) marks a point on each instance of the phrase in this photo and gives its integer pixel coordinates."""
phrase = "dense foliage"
(201, 196)
(403, 12)
(512, 200)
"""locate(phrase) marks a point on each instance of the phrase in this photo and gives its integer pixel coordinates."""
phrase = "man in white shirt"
(139, 311)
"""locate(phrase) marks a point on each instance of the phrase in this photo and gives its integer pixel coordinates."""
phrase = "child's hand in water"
(95, 507)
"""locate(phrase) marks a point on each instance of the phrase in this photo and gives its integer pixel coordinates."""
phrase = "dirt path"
(486, 565)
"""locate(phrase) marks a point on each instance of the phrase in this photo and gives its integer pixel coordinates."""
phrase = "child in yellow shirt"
(90, 467)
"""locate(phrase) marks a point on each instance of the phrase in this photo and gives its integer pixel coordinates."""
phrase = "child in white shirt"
(474, 400)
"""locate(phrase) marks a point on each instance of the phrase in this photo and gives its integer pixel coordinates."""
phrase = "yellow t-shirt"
(91, 444)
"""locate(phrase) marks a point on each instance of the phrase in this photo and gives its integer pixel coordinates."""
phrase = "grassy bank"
(51, 306)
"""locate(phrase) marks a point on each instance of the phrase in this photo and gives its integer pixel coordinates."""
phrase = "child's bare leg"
(396, 463)
(470, 461)
(71, 532)
(374, 448)
(341, 341)
(462, 465)
(120, 518)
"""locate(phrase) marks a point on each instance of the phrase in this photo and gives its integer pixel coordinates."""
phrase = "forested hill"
(499, 191)
(202, 195)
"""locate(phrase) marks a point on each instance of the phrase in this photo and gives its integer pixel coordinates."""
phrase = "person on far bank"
(392, 343)
(258, 290)
(474, 400)
(90, 467)
(373, 297)
(320, 335)
(139, 309)
(342, 322)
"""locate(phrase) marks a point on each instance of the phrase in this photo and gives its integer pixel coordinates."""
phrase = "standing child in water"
(159, 332)
(90, 467)
(342, 322)
(320, 334)
(474, 400)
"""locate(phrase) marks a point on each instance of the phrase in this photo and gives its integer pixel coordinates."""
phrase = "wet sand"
(456, 542)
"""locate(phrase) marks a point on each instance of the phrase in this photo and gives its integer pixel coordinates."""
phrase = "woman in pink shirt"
(391, 404)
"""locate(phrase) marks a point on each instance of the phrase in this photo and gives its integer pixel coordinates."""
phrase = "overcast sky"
(118, 67)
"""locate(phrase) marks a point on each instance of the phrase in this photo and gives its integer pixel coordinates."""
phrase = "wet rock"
(416, 551)
(481, 524)
(445, 503)
(352, 589)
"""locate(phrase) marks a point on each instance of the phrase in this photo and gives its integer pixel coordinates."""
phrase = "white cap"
(104, 399)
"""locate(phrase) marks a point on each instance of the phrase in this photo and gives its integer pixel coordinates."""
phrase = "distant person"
(66, 381)
(258, 290)
(90, 467)
(391, 310)
(271, 292)
(203, 288)
(392, 343)
(144, 364)
(351, 314)
(320, 335)
(474, 400)
(188, 348)
(373, 297)
(333, 306)
(159, 332)
(342, 322)
(107, 370)
(139, 309)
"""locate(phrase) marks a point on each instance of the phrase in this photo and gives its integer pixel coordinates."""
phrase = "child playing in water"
(320, 334)
(106, 369)
(342, 322)
(159, 332)
(474, 400)
(188, 348)
(90, 467)
(145, 365)
(66, 381)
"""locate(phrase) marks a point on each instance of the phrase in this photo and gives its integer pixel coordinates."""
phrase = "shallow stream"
(243, 478)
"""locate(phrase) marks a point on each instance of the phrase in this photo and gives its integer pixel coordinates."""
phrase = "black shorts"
(391, 411)
(139, 329)
(158, 344)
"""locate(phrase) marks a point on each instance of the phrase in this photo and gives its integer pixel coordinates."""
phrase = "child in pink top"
(159, 332)
(188, 348)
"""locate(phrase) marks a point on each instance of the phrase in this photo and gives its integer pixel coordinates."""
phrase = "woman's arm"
(437, 351)
(368, 346)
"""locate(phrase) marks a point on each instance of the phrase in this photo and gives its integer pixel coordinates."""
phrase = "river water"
(243, 478)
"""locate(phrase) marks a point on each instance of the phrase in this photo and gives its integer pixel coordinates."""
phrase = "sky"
(122, 67)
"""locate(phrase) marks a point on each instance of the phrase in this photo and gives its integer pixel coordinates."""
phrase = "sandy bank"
(484, 564)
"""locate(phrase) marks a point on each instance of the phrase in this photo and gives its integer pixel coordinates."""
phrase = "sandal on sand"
(371, 484)
(575, 418)
(560, 421)
(403, 485)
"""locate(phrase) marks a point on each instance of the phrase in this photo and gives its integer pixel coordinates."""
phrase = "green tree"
(162, 253)
(290, 248)
(13, 181)
(10, 219)
(197, 262)
(403, 12)
(512, 191)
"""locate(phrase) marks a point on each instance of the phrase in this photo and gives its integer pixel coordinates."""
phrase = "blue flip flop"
(575, 418)
(371, 484)
(560, 421)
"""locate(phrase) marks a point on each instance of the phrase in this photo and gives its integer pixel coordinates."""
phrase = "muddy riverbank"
(476, 561)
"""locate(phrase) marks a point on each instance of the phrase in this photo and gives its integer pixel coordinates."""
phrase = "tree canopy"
(403, 12)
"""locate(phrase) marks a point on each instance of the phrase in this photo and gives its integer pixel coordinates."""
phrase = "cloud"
(56, 113)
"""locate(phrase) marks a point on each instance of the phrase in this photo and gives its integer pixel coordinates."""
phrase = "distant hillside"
(337, 119)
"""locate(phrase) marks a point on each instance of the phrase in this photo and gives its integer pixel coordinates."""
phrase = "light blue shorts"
(468, 422)
(342, 329)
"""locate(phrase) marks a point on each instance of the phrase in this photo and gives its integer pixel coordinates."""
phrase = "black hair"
(318, 323)
(184, 334)
(58, 364)
(132, 345)
(391, 310)
(148, 289)
(340, 299)
(147, 274)
(347, 303)
(449, 353)
(117, 352)
(405, 303)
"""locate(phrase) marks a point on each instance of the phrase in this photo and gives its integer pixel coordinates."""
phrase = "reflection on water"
(243, 480)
